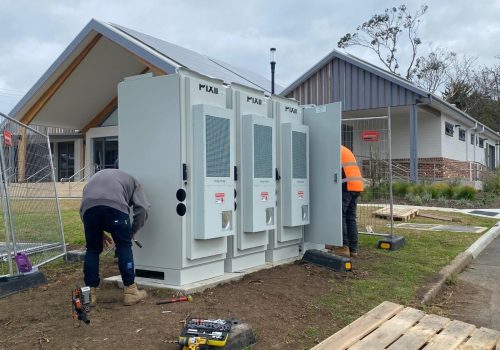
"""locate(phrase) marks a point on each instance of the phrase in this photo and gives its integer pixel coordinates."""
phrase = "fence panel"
(369, 140)
(30, 208)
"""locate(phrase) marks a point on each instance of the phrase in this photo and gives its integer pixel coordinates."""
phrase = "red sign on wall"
(370, 135)
(7, 138)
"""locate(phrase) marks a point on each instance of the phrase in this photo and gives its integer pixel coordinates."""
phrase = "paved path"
(479, 301)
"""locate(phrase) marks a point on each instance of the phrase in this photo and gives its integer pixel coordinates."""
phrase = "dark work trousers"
(349, 226)
(95, 221)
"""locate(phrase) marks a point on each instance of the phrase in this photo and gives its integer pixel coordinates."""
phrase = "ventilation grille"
(263, 151)
(218, 153)
(299, 152)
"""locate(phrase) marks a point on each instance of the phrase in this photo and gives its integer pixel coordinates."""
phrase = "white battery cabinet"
(177, 138)
(255, 183)
(292, 174)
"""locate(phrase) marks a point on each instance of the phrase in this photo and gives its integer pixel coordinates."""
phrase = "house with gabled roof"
(430, 137)
(75, 100)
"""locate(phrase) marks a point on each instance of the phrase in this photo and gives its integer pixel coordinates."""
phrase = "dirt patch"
(278, 303)
(454, 298)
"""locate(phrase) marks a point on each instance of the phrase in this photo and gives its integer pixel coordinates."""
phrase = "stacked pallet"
(395, 327)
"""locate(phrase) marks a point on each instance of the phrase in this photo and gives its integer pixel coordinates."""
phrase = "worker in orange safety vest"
(352, 186)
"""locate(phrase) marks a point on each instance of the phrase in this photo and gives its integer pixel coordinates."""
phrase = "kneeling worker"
(106, 202)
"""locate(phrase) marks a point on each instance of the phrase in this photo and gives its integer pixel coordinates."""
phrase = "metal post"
(8, 209)
(273, 66)
(55, 192)
(391, 198)
(5, 215)
(413, 143)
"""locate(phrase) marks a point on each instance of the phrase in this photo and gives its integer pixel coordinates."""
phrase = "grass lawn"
(398, 275)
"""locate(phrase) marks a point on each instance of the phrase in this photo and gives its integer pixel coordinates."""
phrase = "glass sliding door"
(105, 152)
(65, 159)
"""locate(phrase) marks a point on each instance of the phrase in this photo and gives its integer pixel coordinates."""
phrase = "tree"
(476, 91)
(383, 34)
(433, 71)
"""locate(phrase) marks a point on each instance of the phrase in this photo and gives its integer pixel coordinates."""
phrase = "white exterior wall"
(429, 140)
(400, 127)
(453, 148)
(476, 153)
(429, 136)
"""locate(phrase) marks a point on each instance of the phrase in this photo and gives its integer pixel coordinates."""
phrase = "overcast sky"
(34, 33)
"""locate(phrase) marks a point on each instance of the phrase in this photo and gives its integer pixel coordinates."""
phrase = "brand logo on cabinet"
(300, 195)
(254, 100)
(292, 110)
(208, 88)
(219, 198)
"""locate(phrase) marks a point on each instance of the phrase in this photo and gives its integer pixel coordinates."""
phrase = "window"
(461, 134)
(472, 137)
(448, 129)
(481, 143)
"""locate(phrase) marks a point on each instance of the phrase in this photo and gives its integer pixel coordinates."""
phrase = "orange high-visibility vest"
(351, 171)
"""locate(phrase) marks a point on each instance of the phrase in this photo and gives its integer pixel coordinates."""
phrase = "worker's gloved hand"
(107, 241)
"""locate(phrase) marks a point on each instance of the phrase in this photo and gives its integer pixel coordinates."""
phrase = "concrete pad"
(486, 213)
(438, 227)
(196, 287)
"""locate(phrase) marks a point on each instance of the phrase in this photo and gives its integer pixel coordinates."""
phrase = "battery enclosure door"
(324, 123)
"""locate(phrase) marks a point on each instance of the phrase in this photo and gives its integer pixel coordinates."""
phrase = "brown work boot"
(342, 251)
(329, 247)
(354, 253)
(93, 297)
(132, 295)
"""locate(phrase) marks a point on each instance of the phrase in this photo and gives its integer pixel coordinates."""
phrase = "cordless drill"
(80, 303)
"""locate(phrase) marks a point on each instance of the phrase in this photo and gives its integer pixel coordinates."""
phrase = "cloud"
(34, 33)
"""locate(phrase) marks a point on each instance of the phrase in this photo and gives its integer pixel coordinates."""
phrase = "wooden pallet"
(404, 214)
(395, 327)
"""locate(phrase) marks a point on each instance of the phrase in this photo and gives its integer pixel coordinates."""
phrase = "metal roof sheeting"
(360, 85)
(163, 55)
(200, 63)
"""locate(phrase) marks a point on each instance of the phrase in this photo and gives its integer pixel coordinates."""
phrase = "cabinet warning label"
(219, 198)
(264, 196)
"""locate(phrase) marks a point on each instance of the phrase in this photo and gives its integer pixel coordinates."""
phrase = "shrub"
(409, 196)
(400, 189)
(439, 189)
(417, 200)
(492, 182)
(426, 197)
(464, 192)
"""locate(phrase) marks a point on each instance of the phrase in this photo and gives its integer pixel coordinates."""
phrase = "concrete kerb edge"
(461, 261)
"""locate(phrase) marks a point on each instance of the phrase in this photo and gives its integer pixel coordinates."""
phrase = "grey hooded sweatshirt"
(116, 189)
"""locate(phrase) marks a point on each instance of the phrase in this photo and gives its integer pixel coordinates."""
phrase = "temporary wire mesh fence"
(369, 140)
(30, 209)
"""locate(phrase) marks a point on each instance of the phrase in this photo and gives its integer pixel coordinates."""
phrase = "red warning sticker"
(7, 138)
(219, 198)
(264, 196)
(300, 194)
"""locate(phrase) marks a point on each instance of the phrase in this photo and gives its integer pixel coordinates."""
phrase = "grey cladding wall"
(355, 87)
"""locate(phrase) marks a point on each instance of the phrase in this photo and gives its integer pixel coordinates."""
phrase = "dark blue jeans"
(95, 221)
(349, 226)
